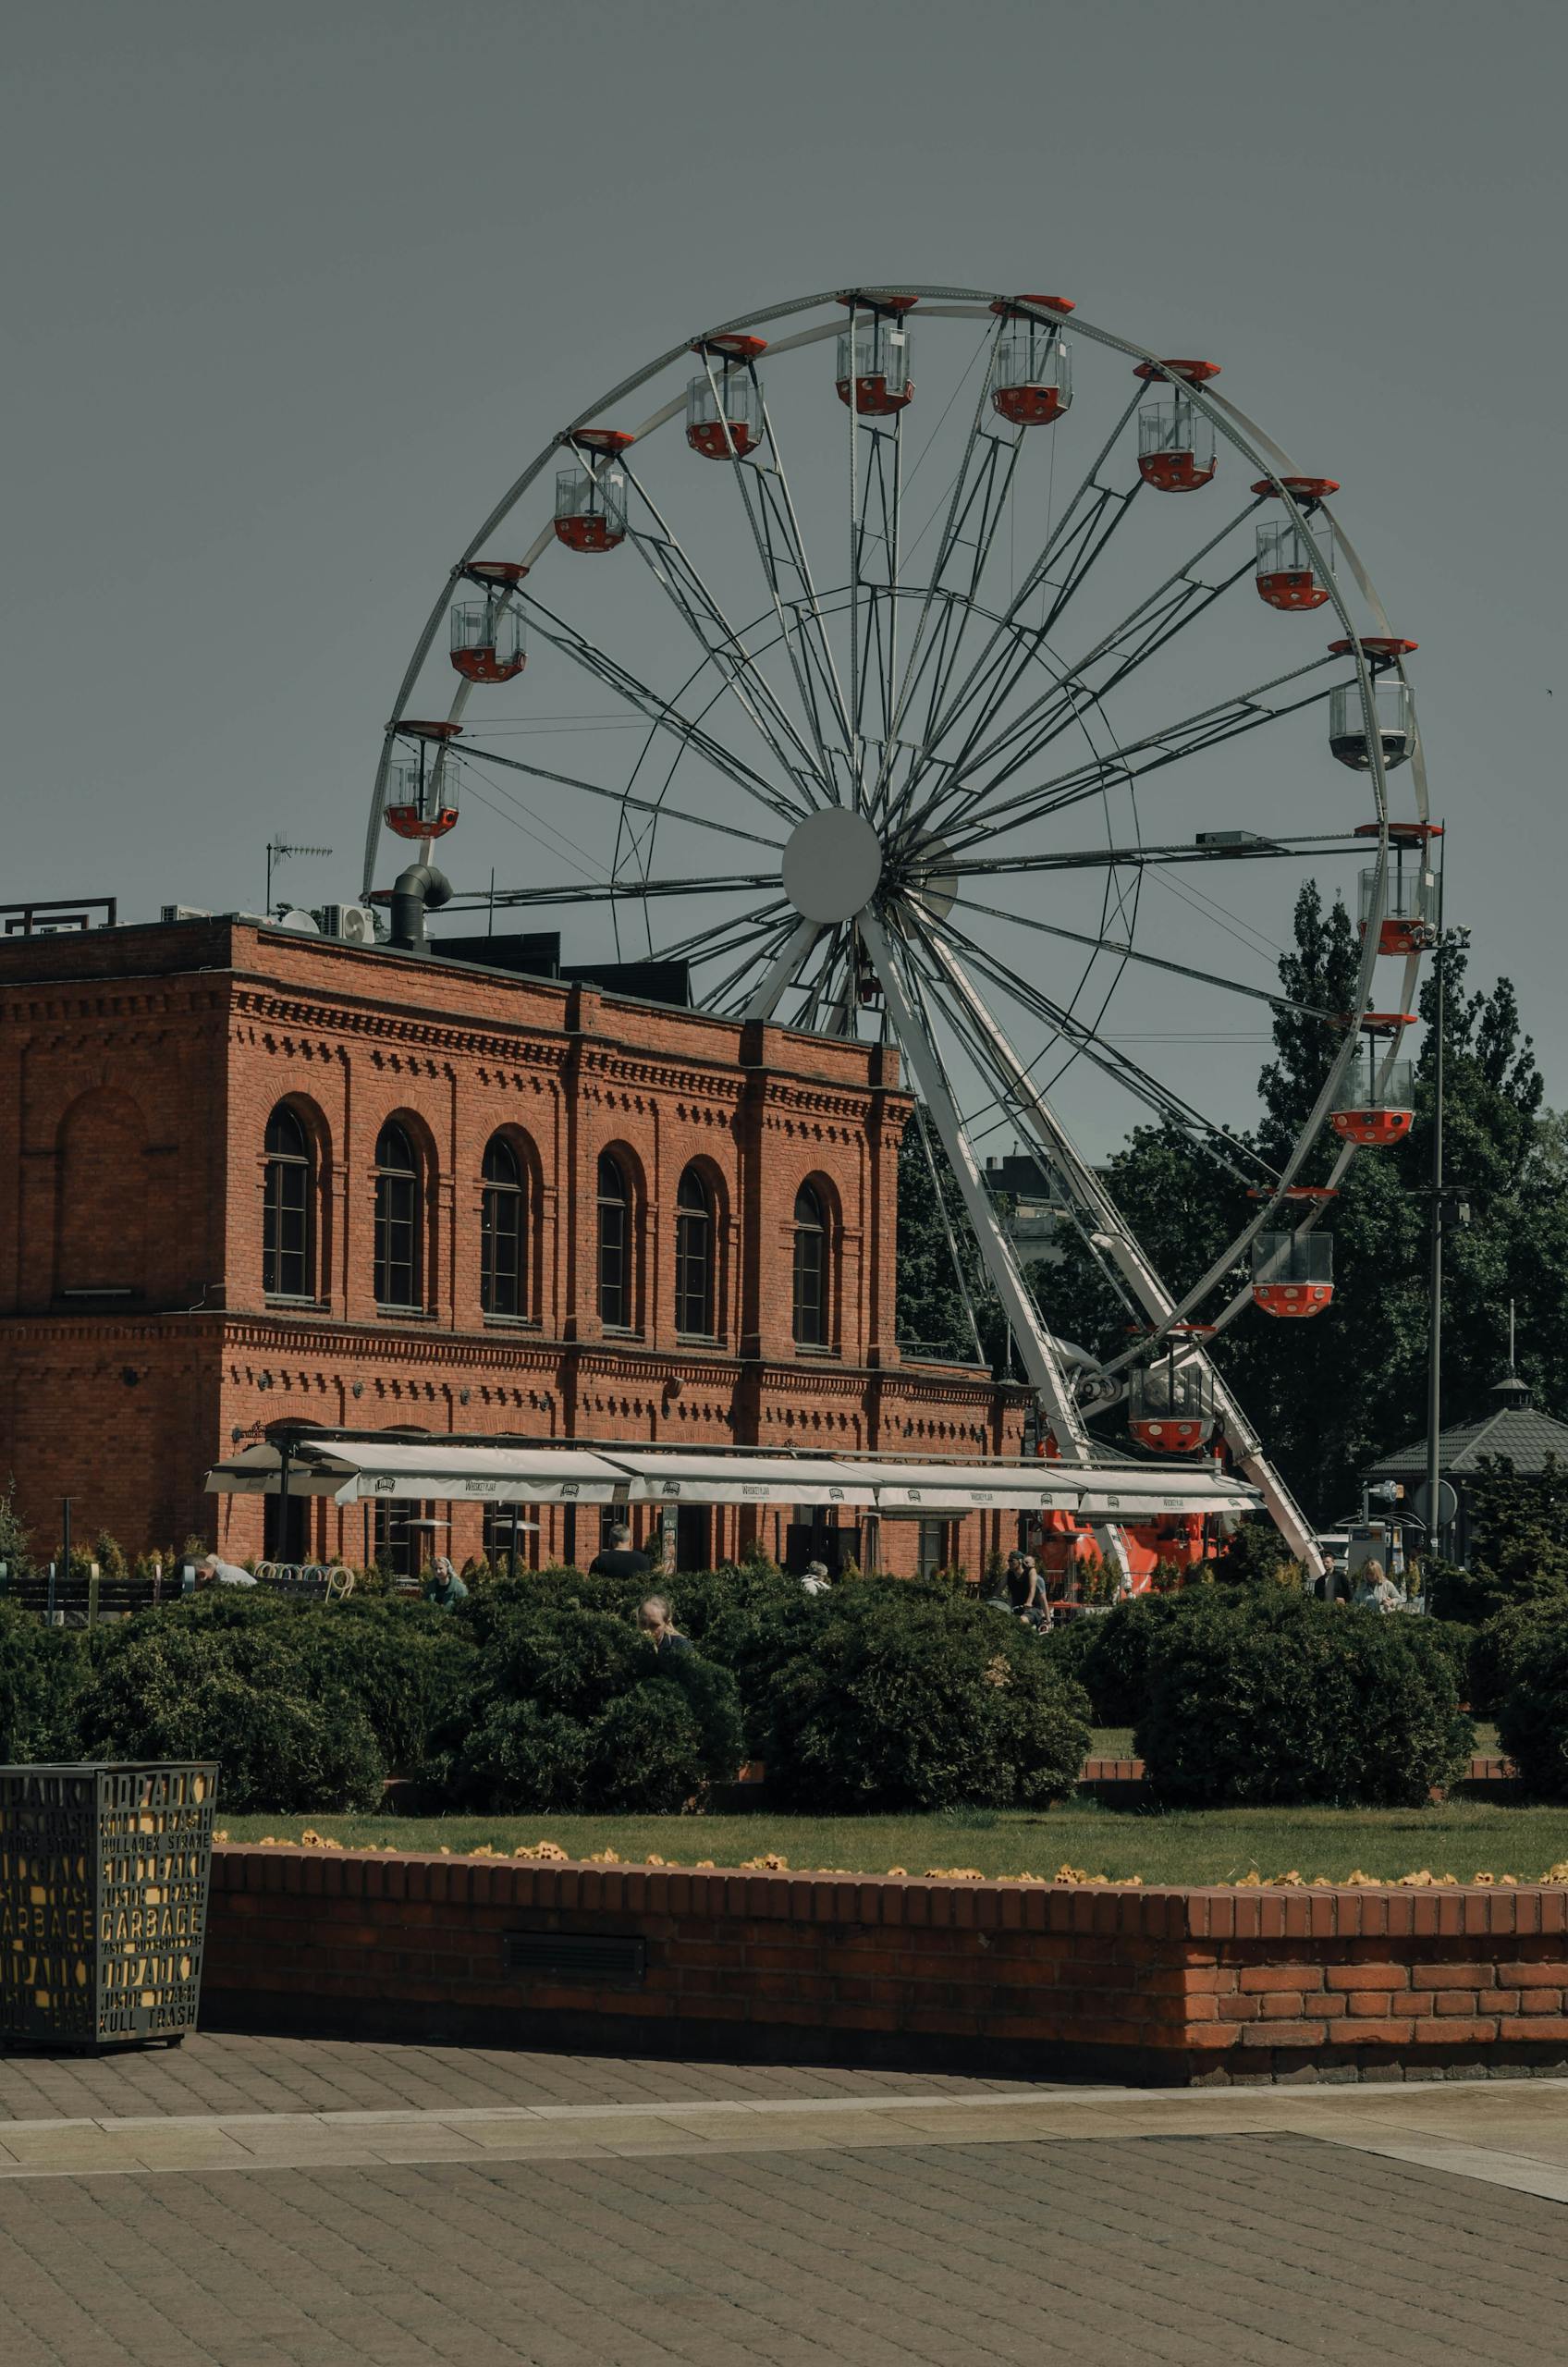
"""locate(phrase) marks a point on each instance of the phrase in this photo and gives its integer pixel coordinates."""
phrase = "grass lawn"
(1202, 1846)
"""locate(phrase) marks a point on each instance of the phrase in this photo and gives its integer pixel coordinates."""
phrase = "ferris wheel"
(885, 699)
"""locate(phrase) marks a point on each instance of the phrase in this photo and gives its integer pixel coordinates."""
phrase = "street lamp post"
(1435, 1287)
(1438, 1197)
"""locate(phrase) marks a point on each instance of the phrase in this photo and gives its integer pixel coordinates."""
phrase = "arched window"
(693, 1257)
(287, 1249)
(810, 1271)
(615, 1246)
(400, 1221)
(503, 1233)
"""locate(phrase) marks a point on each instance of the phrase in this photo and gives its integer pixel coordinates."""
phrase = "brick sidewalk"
(212, 2073)
(1227, 2250)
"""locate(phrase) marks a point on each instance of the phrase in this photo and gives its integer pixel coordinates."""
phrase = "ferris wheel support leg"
(1036, 1348)
(783, 971)
(1112, 1235)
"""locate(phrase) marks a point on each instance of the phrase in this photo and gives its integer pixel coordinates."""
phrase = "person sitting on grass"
(658, 1623)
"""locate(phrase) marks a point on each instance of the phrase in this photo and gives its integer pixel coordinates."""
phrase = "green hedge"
(1111, 1653)
(1532, 1709)
(284, 1740)
(900, 1695)
(573, 1709)
(1272, 1698)
(41, 1672)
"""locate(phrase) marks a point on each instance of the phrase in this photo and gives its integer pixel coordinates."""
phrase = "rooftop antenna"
(279, 850)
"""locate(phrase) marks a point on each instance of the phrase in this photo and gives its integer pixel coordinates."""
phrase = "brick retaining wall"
(1159, 1986)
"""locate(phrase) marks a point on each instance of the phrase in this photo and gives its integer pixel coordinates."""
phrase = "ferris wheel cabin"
(1032, 374)
(421, 798)
(1379, 1106)
(1290, 573)
(874, 355)
(1409, 901)
(724, 406)
(1170, 1405)
(1176, 447)
(1293, 1273)
(1393, 706)
(487, 642)
(590, 497)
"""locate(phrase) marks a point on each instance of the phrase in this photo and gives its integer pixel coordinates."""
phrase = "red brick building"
(249, 1177)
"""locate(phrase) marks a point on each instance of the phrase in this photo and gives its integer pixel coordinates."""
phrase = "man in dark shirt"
(621, 1560)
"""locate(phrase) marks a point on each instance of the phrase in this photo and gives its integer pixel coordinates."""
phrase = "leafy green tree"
(1518, 1545)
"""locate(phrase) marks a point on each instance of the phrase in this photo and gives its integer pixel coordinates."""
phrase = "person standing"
(620, 1559)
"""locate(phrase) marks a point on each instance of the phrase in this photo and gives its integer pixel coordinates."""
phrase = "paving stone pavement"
(213, 2072)
(760, 2216)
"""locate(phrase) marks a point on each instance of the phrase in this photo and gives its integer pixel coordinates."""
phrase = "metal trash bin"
(103, 1877)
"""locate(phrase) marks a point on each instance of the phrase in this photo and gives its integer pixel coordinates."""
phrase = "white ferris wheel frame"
(923, 963)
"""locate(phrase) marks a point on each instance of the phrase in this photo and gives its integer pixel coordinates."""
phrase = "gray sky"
(294, 289)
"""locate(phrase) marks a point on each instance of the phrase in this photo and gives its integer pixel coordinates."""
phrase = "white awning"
(347, 1469)
(745, 1479)
(1097, 1493)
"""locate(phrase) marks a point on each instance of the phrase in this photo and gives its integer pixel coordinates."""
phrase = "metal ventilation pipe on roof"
(419, 889)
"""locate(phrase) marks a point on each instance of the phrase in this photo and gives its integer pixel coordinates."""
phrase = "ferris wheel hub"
(832, 865)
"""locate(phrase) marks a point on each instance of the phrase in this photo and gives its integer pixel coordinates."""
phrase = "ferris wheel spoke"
(783, 548)
(1127, 952)
(705, 944)
(1172, 609)
(624, 798)
(876, 493)
(1071, 533)
(971, 482)
(930, 671)
(770, 515)
(612, 891)
(1150, 857)
(1109, 1058)
(991, 695)
(662, 713)
(754, 945)
(678, 575)
(1169, 744)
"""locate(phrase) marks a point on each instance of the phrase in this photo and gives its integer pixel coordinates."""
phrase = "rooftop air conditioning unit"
(354, 924)
(184, 912)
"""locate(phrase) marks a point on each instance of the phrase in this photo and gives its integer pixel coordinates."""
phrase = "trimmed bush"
(407, 1669)
(902, 1696)
(241, 1697)
(1270, 1699)
(1111, 1654)
(573, 1709)
(1532, 1715)
(40, 1670)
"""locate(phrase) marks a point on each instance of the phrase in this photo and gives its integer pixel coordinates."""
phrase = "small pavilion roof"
(1519, 1432)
